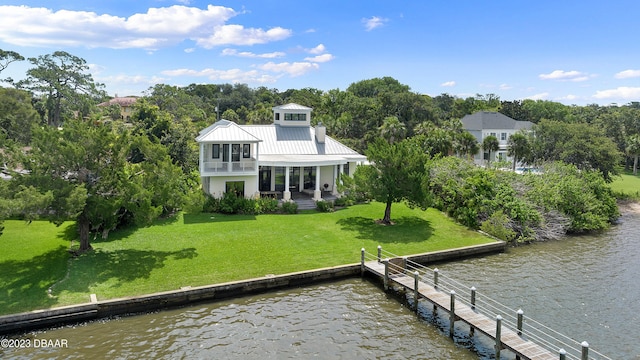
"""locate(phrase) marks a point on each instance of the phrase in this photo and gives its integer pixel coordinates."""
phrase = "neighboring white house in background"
(485, 123)
(287, 156)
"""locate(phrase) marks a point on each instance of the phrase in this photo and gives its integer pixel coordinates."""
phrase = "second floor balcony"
(223, 168)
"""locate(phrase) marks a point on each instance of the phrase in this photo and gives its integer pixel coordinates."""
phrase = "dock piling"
(435, 278)
(416, 279)
(520, 317)
(498, 334)
(386, 274)
(585, 350)
(452, 314)
(563, 354)
(473, 297)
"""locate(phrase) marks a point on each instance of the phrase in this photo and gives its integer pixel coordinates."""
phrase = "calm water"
(585, 287)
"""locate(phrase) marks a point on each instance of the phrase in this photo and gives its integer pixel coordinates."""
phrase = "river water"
(586, 287)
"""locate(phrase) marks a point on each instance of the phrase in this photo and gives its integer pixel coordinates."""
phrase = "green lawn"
(627, 184)
(202, 249)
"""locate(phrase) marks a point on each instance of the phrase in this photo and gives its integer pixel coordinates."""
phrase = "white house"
(485, 123)
(287, 156)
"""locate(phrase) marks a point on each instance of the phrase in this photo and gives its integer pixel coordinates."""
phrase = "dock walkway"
(535, 341)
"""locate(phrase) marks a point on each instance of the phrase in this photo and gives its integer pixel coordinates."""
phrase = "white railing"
(220, 167)
(553, 341)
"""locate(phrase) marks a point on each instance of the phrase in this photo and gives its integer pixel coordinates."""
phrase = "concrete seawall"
(15, 323)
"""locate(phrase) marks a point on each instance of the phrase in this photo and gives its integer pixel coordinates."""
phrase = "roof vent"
(321, 132)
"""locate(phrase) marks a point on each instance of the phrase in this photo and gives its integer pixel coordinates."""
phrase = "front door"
(265, 179)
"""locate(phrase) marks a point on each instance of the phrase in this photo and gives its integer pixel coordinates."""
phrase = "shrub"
(498, 225)
(211, 204)
(289, 207)
(324, 206)
(267, 205)
(344, 201)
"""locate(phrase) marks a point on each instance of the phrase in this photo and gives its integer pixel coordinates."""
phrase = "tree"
(177, 135)
(93, 177)
(397, 173)
(7, 57)
(392, 129)
(490, 144)
(518, 147)
(466, 144)
(17, 115)
(580, 144)
(61, 81)
(633, 150)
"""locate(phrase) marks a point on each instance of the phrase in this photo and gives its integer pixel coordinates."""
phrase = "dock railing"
(506, 317)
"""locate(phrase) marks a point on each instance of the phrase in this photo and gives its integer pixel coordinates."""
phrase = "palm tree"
(392, 129)
(633, 149)
(466, 144)
(518, 147)
(490, 144)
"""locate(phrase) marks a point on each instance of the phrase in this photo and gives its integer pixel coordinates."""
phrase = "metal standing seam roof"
(292, 106)
(492, 120)
(281, 144)
(281, 140)
(225, 130)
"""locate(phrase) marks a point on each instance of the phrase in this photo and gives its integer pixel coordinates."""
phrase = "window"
(225, 152)
(236, 187)
(503, 136)
(235, 152)
(215, 151)
(246, 151)
(492, 134)
(277, 116)
(295, 117)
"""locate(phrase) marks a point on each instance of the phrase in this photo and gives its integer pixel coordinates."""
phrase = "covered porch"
(315, 178)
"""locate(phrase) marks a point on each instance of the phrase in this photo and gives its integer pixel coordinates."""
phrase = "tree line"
(83, 162)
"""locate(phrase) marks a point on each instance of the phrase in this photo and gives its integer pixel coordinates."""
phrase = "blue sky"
(574, 52)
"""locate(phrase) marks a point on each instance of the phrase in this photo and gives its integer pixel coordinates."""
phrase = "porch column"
(301, 179)
(340, 172)
(257, 152)
(317, 194)
(272, 186)
(203, 150)
(334, 189)
(286, 194)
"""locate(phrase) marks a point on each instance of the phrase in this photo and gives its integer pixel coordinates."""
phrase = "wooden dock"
(508, 339)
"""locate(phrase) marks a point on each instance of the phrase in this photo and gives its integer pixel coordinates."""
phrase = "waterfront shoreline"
(98, 309)
(629, 207)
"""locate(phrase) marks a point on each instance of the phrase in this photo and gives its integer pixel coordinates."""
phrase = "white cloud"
(570, 97)
(448, 84)
(540, 96)
(239, 35)
(627, 74)
(505, 87)
(320, 58)
(247, 54)
(562, 75)
(374, 22)
(317, 50)
(158, 27)
(623, 92)
(293, 69)
(231, 75)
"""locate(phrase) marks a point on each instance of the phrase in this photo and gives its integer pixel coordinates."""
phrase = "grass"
(33, 258)
(627, 185)
(193, 250)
